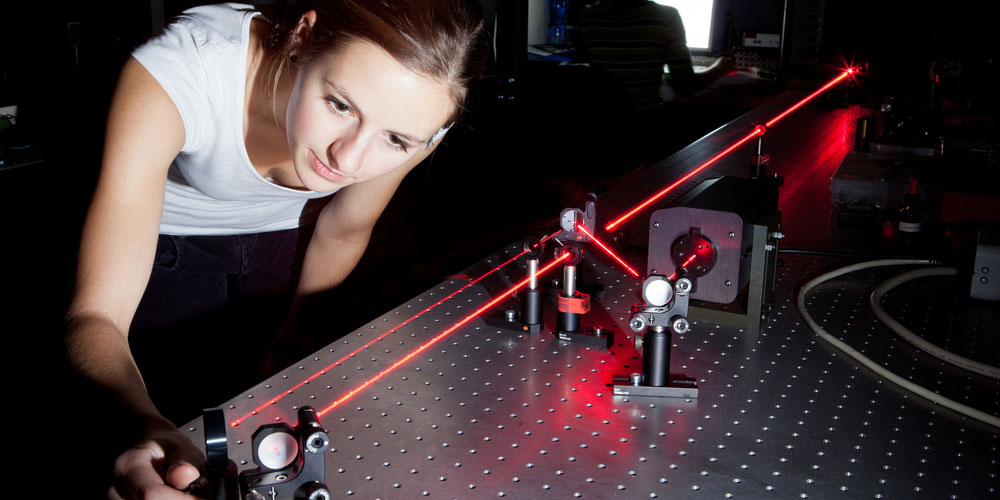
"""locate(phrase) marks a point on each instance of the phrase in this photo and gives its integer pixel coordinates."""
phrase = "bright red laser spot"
(442, 335)
(275, 399)
(758, 130)
(854, 72)
(608, 250)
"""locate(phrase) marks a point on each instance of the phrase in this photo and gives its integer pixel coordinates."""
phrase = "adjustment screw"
(680, 325)
(637, 324)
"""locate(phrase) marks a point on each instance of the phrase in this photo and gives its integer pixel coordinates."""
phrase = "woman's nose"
(347, 152)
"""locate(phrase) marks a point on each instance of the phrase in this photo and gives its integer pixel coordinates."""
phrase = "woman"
(224, 136)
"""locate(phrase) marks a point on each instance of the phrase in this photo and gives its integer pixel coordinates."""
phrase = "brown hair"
(440, 39)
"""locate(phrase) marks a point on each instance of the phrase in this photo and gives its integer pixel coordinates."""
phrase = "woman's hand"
(160, 466)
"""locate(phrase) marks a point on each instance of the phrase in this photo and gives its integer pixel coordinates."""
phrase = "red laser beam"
(685, 264)
(608, 250)
(757, 131)
(275, 399)
(440, 336)
(808, 98)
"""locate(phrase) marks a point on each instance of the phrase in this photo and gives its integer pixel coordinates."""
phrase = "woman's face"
(356, 114)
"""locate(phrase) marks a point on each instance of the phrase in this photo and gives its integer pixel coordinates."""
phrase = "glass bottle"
(910, 215)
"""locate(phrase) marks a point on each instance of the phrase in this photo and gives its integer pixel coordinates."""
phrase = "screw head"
(637, 324)
(680, 325)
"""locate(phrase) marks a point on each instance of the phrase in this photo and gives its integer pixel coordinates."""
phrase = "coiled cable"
(868, 363)
(943, 354)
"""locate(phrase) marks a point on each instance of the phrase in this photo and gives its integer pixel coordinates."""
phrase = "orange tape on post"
(579, 304)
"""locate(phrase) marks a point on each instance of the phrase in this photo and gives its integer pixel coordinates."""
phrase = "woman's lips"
(325, 171)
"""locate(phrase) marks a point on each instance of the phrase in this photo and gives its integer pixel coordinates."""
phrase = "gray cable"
(920, 343)
(875, 367)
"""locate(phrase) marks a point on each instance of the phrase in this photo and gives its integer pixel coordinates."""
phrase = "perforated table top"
(483, 412)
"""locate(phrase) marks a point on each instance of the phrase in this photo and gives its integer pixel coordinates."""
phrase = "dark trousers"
(209, 312)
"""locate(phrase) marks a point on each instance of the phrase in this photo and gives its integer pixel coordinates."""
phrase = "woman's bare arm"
(145, 132)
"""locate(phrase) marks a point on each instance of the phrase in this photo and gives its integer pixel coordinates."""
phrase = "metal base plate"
(501, 321)
(680, 387)
(601, 342)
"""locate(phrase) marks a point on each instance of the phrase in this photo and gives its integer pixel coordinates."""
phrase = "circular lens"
(658, 292)
(277, 450)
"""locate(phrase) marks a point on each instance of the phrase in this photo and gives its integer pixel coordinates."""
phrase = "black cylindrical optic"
(656, 357)
(531, 306)
(567, 321)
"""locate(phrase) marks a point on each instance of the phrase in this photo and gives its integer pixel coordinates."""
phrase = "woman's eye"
(397, 142)
(338, 105)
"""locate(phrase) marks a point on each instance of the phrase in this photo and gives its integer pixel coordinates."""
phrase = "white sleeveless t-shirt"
(212, 188)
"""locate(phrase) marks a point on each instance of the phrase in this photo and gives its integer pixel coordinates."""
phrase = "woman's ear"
(302, 35)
